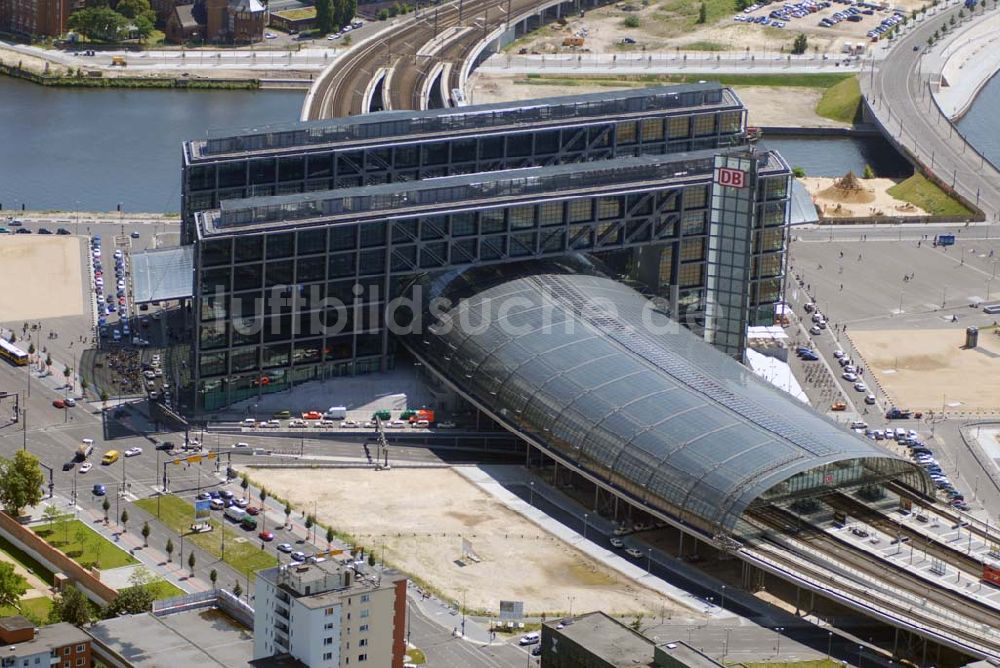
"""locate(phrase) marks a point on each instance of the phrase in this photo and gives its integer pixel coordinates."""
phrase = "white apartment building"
(331, 614)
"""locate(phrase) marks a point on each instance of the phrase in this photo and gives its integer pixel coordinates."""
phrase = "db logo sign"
(734, 178)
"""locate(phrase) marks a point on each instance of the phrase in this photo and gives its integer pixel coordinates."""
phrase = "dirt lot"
(876, 201)
(25, 258)
(422, 533)
(768, 105)
(670, 24)
(926, 369)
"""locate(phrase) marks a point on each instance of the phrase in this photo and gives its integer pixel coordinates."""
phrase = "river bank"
(966, 60)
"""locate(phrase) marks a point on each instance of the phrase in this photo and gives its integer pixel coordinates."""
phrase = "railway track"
(989, 535)
(970, 564)
(879, 569)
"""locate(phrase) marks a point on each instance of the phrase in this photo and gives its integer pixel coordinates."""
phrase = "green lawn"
(36, 609)
(921, 192)
(242, 548)
(684, 13)
(25, 560)
(84, 545)
(297, 14)
(841, 102)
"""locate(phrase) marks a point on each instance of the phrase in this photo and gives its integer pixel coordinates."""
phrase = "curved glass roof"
(587, 367)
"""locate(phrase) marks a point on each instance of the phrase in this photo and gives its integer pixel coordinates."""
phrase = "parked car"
(285, 547)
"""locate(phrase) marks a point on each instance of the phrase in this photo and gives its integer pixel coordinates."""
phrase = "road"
(898, 93)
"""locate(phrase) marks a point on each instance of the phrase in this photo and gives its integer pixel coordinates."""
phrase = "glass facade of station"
(392, 147)
(291, 289)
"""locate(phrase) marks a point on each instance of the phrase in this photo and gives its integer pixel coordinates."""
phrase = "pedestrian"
(859, 257)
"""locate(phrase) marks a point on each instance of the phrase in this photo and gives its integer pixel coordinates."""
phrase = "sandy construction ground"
(878, 201)
(768, 105)
(43, 277)
(925, 369)
(420, 516)
(668, 25)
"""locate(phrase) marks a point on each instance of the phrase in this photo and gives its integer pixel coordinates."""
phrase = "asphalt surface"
(898, 95)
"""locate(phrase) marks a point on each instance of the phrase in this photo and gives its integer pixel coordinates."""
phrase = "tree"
(288, 513)
(191, 562)
(702, 13)
(12, 586)
(329, 537)
(124, 519)
(631, 22)
(237, 589)
(135, 599)
(106, 506)
(21, 482)
(371, 559)
(48, 361)
(72, 606)
(213, 576)
(104, 398)
(144, 27)
(309, 524)
(170, 550)
(325, 19)
(263, 516)
(133, 9)
(101, 23)
(245, 484)
(145, 534)
(67, 372)
(31, 348)
(800, 44)
(344, 11)
(869, 173)
(798, 172)
(84, 384)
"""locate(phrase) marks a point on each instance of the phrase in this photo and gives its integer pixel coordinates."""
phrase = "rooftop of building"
(46, 637)
(553, 181)
(395, 124)
(684, 655)
(606, 638)
(205, 637)
(590, 369)
(322, 584)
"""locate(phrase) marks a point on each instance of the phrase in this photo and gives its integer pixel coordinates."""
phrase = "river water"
(981, 125)
(89, 149)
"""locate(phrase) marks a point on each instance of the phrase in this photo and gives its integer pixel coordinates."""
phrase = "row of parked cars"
(885, 26)
(923, 456)
(852, 14)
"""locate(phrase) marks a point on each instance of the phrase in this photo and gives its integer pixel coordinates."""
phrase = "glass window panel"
(312, 241)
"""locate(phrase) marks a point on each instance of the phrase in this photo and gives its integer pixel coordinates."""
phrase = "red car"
(266, 536)
(312, 415)
(59, 403)
(253, 510)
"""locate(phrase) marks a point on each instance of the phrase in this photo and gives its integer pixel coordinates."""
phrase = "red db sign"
(734, 178)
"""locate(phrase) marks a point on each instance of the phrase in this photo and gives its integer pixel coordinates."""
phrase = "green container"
(406, 415)
(382, 415)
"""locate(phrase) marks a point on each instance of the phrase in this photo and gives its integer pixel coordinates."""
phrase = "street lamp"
(531, 493)
(779, 629)
(585, 515)
(649, 559)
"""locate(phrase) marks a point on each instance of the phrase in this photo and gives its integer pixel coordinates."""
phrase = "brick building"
(57, 645)
(35, 17)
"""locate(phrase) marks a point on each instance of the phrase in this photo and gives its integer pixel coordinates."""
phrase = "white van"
(530, 638)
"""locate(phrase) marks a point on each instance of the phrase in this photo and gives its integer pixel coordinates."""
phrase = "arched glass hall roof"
(585, 366)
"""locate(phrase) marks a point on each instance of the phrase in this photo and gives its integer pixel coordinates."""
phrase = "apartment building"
(54, 646)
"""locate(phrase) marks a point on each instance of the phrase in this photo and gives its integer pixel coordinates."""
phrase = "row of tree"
(332, 15)
(100, 21)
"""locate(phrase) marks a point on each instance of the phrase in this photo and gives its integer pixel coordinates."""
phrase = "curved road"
(898, 95)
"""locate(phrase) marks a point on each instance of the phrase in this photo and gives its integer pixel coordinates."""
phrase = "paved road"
(897, 91)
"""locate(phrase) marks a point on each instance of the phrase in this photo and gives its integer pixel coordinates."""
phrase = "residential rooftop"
(46, 638)
(323, 584)
(395, 124)
(607, 639)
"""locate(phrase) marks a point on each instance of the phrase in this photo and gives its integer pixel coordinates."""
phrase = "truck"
(944, 240)
(335, 413)
(85, 449)
(422, 415)
(898, 414)
(234, 514)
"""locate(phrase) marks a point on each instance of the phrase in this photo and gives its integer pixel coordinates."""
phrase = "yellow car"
(110, 457)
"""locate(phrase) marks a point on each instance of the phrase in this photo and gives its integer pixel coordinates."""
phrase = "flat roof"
(275, 212)
(385, 124)
(46, 638)
(325, 580)
(608, 639)
(685, 655)
(204, 637)
(159, 275)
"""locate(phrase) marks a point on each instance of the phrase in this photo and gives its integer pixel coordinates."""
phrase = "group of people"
(126, 367)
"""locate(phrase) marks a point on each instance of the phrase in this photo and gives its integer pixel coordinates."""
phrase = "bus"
(991, 309)
(12, 353)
